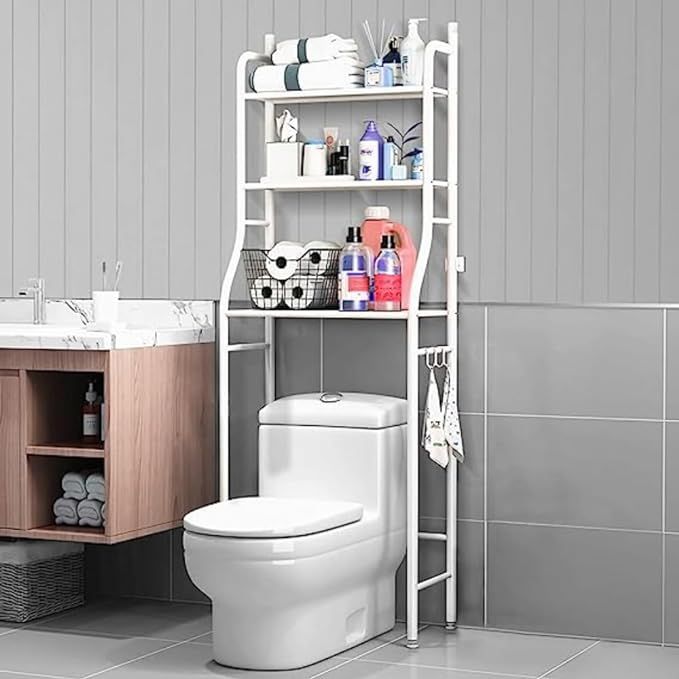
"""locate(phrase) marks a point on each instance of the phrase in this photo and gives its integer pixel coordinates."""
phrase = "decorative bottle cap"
(354, 234)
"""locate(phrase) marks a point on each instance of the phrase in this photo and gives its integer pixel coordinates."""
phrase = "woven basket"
(34, 590)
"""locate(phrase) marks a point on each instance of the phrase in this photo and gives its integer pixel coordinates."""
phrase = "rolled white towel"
(96, 487)
(323, 48)
(336, 74)
(103, 513)
(66, 511)
(73, 485)
(89, 513)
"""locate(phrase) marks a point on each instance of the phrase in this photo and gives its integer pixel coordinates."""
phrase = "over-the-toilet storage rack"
(428, 93)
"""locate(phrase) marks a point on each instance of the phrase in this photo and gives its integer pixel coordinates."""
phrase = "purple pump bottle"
(370, 156)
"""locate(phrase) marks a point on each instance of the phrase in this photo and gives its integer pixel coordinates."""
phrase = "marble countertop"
(142, 323)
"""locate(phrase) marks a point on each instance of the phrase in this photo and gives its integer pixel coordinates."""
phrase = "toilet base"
(302, 634)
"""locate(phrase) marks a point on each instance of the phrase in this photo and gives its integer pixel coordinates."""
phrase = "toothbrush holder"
(105, 306)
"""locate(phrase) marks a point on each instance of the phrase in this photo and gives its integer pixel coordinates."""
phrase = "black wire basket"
(307, 282)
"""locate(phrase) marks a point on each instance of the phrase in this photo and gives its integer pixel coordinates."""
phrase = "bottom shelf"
(69, 533)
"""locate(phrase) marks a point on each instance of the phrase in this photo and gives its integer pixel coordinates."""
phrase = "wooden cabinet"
(11, 460)
(159, 454)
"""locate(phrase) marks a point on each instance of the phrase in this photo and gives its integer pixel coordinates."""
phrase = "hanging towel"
(324, 48)
(66, 511)
(73, 485)
(433, 436)
(96, 487)
(451, 417)
(336, 74)
(89, 513)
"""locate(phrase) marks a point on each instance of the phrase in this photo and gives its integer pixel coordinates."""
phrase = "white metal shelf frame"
(428, 93)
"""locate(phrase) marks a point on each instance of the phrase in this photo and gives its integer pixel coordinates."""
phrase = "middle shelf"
(68, 449)
(339, 184)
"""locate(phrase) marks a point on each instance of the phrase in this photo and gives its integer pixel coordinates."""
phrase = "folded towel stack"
(327, 62)
(83, 501)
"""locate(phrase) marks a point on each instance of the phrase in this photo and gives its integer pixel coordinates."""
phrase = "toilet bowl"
(307, 569)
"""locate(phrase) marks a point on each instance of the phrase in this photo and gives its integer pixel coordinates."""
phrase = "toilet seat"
(271, 517)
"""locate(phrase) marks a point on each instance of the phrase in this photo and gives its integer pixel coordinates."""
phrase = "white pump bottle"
(412, 54)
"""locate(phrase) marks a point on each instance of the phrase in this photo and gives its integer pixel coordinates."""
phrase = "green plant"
(404, 138)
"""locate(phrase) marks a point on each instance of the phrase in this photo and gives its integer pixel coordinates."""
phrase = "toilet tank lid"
(335, 409)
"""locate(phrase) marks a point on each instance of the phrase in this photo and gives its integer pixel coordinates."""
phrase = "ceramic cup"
(105, 304)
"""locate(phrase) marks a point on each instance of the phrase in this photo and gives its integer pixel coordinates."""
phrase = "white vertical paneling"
(647, 153)
(156, 237)
(570, 151)
(493, 149)
(622, 153)
(311, 205)
(208, 146)
(338, 19)
(182, 160)
(234, 28)
(469, 17)
(26, 142)
(596, 150)
(78, 149)
(130, 84)
(286, 26)
(545, 160)
(6, 148)
(52, 252)
(104, 170)
(669, 203)
(519, 150)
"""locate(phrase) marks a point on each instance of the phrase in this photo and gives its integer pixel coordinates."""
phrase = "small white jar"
(315, 162)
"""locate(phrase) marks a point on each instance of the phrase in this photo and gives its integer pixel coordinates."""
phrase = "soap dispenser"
(412, 55)
(91, 413)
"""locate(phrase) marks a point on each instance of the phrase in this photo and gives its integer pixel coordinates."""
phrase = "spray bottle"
(412, 54)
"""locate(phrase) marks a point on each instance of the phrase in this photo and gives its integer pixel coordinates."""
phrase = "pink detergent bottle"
(376, 223)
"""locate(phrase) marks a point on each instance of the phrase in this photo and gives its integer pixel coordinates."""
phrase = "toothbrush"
(119, 269)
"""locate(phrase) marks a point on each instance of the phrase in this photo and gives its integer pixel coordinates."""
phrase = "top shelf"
(397, 93)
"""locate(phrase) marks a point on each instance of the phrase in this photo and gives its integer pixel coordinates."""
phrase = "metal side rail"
(433, 581)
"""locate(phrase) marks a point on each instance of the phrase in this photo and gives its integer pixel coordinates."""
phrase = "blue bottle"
(354, 273)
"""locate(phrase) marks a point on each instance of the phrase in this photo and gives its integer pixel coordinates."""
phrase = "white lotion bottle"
(412, 54)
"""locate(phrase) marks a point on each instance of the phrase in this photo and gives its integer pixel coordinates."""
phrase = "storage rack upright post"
(428, 93)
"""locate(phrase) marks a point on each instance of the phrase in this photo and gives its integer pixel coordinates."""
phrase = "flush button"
(331, 397)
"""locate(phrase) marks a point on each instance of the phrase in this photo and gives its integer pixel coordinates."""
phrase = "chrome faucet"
(36, 290)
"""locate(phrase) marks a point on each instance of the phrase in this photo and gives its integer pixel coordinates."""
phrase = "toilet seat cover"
(271, 517)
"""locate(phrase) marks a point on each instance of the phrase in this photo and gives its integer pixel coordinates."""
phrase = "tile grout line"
(362, 655)
(535, 524)
(489, 673)
(568, 660)
(485, 466)
(142, 657)
(663, 488)
(33, 674)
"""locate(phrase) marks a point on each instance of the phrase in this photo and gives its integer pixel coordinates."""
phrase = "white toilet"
(307, 569)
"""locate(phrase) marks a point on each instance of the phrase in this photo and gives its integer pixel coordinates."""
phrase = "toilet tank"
(348, 446)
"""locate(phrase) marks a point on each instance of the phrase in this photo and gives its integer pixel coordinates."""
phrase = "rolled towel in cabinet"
(89, 513)
(65, 511)
(96, 487)
(73, 485)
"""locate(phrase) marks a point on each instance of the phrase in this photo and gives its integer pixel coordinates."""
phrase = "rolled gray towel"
(96, 487)
(66, 511)
(89, 513)
(73, 485)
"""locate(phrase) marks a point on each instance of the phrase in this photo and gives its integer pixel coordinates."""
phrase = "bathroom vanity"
(157, 370)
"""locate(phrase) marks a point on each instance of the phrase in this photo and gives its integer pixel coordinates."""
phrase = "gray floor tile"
(44, 651)
(482, 651)
(24, 675)
(576, 581)
(136, 618)
(609, 660)
(575, 472)
(194, 661)
(396, 632)
(366, 669)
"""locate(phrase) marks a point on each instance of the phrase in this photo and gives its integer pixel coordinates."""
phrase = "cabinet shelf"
(329, 96)
(67, 449)
(69, 533)
(335, 313)
(330, 184)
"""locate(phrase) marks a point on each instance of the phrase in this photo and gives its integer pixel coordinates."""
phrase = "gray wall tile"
(432, 562)
(298, 357)
(672, 591)
(470, 476)
(574, 581)
(672, 365)
(672, 476)
(575, 361)
(576, 472)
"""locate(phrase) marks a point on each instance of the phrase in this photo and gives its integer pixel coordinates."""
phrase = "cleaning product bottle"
(388, 276)
(392, 61)
(376, 223)
(354, 273)
(390, 156)
(91, 412)
(370, 153)
(417, 165)
(412, 54)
